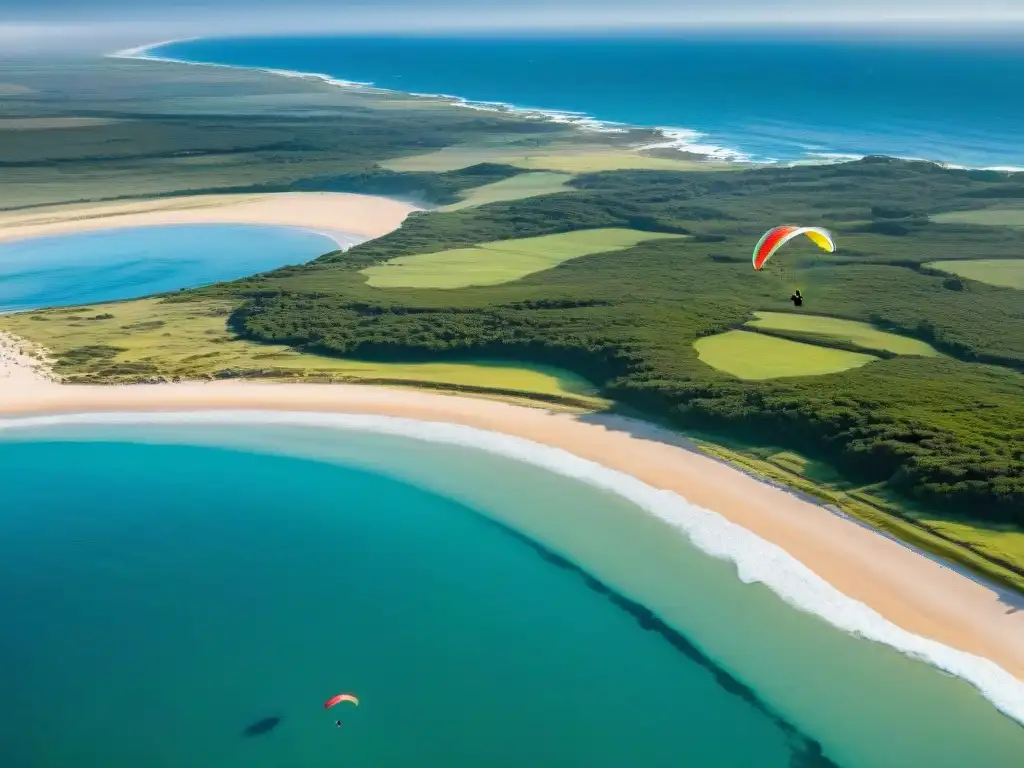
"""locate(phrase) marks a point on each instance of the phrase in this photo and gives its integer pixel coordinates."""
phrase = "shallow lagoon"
(132, 262)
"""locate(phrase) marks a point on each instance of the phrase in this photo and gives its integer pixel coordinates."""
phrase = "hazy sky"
(101, 22)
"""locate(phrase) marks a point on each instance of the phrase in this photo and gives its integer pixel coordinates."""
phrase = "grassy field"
(943, 431)
(1002, 542)
(131, 129)
(557, 158)
(754, 356)
(1005, 273)
(501, 261)
(983, 549)
(993, 217)
(516, 188)
(49, 123)
(126, 341)
(612, 160)
(853, 331)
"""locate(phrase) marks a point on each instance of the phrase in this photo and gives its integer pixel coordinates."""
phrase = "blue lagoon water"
(181, 583)
(784, 100)
(127, 263)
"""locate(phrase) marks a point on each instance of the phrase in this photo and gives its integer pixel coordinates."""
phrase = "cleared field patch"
(501, 261)
(563, 159)
(982, 548)
(132, 340)
(853, 331)
(50, 123)
(1001, 542)
(993, 217)
(614, 160)
(514, 188)
(755, 356)
(1005, 273)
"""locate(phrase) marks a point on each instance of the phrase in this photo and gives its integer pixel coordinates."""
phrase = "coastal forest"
(946, 429)
(903, 370)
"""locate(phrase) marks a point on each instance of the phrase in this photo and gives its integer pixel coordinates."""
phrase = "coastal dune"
(899, 587)
(330, 213)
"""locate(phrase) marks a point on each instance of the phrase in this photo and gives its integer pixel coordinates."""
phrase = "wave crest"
(756, 560)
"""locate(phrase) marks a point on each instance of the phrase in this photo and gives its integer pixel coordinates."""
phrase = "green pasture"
(993, 217)
(515, 188)
(125, 341)
(1005, 273)
(755, 356)
(560, 159)
(853, 331)
(500, 261)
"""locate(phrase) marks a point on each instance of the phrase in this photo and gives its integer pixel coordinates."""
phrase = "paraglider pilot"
(775, 238)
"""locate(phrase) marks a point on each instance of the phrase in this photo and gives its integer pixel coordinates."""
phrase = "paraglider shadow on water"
(262, 726)
(806, 752)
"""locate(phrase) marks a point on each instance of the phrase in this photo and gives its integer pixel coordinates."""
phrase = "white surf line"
(756, 560)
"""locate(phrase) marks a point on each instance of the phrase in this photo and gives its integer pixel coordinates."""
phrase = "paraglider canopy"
(340, 698)
(777, 237)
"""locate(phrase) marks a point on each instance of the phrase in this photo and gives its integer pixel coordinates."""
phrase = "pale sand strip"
(912, 591)
(328, 212)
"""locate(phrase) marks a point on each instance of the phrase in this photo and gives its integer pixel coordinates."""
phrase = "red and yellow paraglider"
(340, 698)
(777, 237)
(335, 700)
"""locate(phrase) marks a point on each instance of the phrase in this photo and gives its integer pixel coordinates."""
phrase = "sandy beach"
(330, 213)
(910, 590)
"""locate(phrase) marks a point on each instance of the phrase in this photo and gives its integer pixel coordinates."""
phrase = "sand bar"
(910, 590)
(330, 213)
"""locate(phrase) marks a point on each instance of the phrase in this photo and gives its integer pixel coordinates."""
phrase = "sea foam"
(682, 139)
(756, 560)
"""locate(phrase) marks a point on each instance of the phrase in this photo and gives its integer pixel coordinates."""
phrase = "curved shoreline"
(858, 580)
(337, 215)
(687, 141)
(683, 140)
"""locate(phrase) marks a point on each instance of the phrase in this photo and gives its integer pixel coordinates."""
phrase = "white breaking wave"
(686, 140)
(682, 139)
(756, 560)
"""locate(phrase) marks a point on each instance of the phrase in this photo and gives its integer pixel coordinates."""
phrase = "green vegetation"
(513, 188)
(755, 356)
(824, 329)
(48, 123)
(564, 158)
(1007, 273)
(500, 261)
(991, 217)
(144, 129)
(944, 431)
(994, 551)
(157, 339)
(928, 447)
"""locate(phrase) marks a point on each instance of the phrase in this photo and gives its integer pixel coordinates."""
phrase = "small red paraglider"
(340, 698)
(337, 700)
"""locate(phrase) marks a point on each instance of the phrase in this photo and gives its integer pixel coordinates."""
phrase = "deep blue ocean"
(802, 100)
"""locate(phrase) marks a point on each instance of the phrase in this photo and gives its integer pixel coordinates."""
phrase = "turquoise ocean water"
(763, 98)
(127, 263)
(182, 583)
